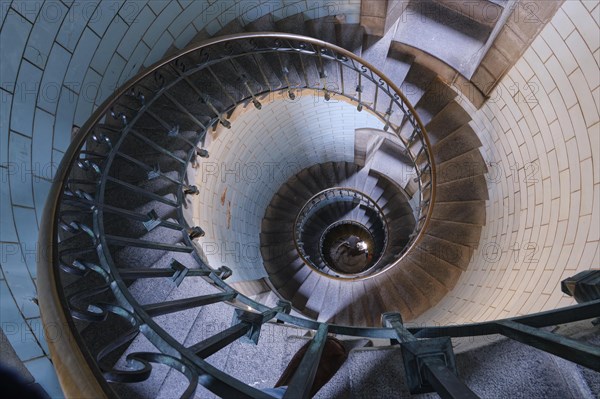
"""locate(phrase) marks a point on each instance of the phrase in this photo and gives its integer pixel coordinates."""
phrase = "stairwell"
(157, 253)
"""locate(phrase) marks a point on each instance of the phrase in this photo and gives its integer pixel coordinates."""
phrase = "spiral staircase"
(148, 316)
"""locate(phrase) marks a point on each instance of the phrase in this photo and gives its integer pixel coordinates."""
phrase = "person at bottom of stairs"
(333, 356)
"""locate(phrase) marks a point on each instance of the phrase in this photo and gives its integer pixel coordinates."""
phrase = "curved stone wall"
(541, 138)
(60, 60)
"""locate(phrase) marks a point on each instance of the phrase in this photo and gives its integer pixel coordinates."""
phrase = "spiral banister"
(78, 247)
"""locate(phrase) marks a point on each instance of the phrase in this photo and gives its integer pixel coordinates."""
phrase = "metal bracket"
(154, 173)
(414, 355)
(180, 272)
(255, 319)
(153, 220)
(224, 272)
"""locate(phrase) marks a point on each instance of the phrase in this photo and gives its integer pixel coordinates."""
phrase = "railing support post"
(303, 378)
(429, 364)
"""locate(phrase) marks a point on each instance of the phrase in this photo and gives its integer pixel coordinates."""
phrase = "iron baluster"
(147, 168)
(156, 146)
(133, 242)
(245, 323)
(141, 191)
(222, 86)
(182, 109)
(178, 305)
(304, 376)
(582, 353)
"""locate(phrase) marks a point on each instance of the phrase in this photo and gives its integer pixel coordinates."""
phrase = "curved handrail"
(312, 204)
(80, 376)
(345, 223)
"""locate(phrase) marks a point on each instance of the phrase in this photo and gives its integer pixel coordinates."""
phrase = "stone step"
(329, 308)
(289, 287)
(468, 189)
(177, 325)
(462, 140)
(431, 288)
(417, 82)
(434, 100)
(318, 298)
(463, 167)
(345, 305)
(448, 120)
(308, 288)
(456, 254)
(397, 65)
(483, 12)
(510, 369)
(471, 212)
(441, 270)
(442, 32)
(465, 234)
(408, 288)
(291, 24)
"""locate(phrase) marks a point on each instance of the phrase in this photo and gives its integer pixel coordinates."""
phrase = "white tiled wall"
(59, 60)
(541, 137)
(249, 163)
(62, 58)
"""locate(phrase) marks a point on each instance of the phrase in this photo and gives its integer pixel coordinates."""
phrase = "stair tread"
(462, 140)
(448, 120)
(466, 189)
(465, 234)
(443, 271)
(305, 291)
(451, 252)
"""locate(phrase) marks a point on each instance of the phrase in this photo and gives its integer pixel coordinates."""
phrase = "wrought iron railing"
(331, 197)
(80, 283)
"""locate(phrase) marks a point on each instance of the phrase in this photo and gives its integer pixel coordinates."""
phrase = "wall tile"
(109, 44)
(8, 233)
(184, 19)
(57, 157)
(20, 170)
(586, 101)
(135, 62)
(27, 229)
(87, 97)
(42, 144)
(41, 188)
(135, 32)
(160, 24)
(53, 77)
(13, 36)
(27, 8)
(81, 60)
(186, 36)
(5, 105)
(158, 50)
(63, 124)
(584, 22)
(74, 23)
(15, 328)
(44, 32)
(19, 280)
(45, 375)
(103, 15)
(585, 59)
(131, 9)
(111, 78)
(24, 99)
(158, 5)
